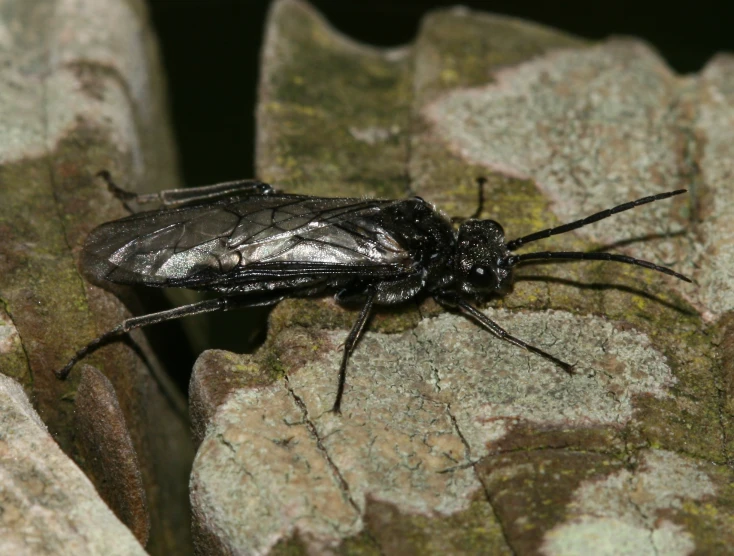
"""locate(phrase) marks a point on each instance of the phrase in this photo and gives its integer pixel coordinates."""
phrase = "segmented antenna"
(579, 255)
(519, 242)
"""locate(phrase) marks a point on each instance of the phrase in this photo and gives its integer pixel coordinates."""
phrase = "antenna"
(519, 242)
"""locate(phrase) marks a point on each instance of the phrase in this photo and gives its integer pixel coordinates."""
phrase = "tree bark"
(82, 92)
(450, 440)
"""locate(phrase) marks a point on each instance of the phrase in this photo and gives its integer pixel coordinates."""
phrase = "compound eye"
(497, 227)
(482, 276)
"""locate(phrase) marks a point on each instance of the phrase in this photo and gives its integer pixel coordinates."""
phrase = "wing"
(246, 239)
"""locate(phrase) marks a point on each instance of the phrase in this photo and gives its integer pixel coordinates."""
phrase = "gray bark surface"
(451, 441)
(81, 90)
(48, 505)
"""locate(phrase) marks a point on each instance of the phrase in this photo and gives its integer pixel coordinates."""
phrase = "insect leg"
(480, 203)
(206, 306)
(497, 330)
(480, 200)
(354, 335)
(173, 197)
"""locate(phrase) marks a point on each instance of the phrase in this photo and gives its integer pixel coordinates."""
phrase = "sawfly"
(256, 246)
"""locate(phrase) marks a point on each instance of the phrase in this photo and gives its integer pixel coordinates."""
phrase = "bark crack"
(464, 441)
(473, 464)
(221, 438)
(341, 481)
(645, 519)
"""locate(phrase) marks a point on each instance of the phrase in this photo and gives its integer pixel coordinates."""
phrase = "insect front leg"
(173, 197)
(354, 335)
(453, 301)
(480, 181)
(206, 306)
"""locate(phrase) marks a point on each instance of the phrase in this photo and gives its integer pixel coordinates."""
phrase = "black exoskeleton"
(257, 247)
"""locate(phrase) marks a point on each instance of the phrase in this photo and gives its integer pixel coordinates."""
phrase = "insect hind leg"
(174, 197)
(206, 306)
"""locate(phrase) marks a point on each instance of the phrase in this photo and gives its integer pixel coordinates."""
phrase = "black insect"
(257, 247)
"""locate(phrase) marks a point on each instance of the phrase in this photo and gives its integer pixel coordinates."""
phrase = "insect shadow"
(255, 247)
(594, 286)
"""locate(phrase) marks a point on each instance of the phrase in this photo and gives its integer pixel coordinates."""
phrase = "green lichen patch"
(472, 531)
(40, 285)
(76, 99)
(13, 361)
(530, 490)
(362, 544)
(218, 374)
(723, 337)
(336, 113)
(327, 314)
(661, 502)
(235, 370)
(457, 46)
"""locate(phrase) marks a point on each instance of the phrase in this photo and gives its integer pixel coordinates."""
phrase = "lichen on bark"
(443, 423)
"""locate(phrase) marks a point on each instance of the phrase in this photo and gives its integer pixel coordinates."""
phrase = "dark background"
(211, 49)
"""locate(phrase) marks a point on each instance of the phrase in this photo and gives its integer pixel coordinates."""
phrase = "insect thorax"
(426, 234)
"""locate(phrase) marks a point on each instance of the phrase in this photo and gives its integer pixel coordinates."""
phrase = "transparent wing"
(245, 239)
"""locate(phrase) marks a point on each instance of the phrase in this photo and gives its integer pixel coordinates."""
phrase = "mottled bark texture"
(82, 91)
(47, 504)
(451, 441)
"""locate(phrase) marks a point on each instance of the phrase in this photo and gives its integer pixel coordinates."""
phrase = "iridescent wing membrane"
(247, 244)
